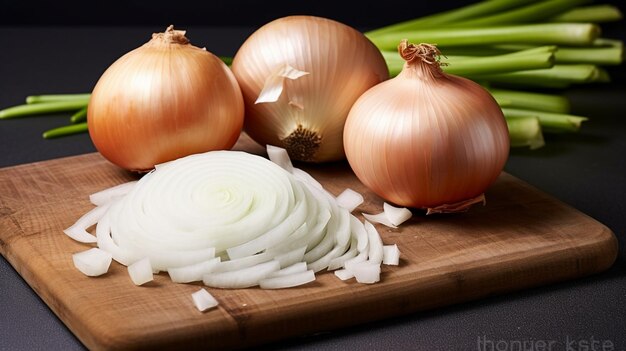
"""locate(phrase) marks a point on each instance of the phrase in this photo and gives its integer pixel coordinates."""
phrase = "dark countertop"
(586, 170)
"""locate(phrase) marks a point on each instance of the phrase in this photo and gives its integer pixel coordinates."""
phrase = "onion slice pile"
(233, 220)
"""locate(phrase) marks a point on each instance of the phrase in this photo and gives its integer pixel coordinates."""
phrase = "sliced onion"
(243, 278)
(107, 195)
(344, 274)
(376, 244)
(241, 263)
(287, 281)
(203, 300)
(291, 258)
(391, 255)
(349, 199)
(93, 262)
(379, 218)
(78, 230)
(396, 215)
(279, 156)
(294, 268)
(194, 272)
(366, 272)
(141, 271)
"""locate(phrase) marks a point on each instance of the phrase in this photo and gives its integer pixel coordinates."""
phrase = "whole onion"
(299, 76)
(427, 139)
(162, 101)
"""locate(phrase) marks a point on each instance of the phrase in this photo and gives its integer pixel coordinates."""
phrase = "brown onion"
(162, 101)
(427, 139)
(299, 76)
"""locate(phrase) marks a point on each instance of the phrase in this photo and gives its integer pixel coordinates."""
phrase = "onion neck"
(422, 61)
(169, 37)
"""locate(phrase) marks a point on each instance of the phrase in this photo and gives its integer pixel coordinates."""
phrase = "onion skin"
(309, 116)
(426, 139)
(162, 101)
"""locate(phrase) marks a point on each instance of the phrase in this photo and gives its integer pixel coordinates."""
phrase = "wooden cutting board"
(521, 238)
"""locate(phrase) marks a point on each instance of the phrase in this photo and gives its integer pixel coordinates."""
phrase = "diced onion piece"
(391, 255)
(279, 156)
(78, 230)
(396, 215)
(194, 272)
(203, 300)
(379, 218)
(141, 271)
(294, 268)
(243, 278)
(366, 272)
(349, 199)
(287, 281)
(376, 244)
(344, 274)
(93, 262)
(107, 195)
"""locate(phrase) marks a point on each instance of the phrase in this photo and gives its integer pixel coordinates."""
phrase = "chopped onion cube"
(366, 272)
(344, 274)
(243, 278)
(194, 272)
(279, 156)
(203, 300)
(141, 271)
(391, 255)
(107, 195)
(349, 199)
(93, 262)
(396, 215)
(287, 281)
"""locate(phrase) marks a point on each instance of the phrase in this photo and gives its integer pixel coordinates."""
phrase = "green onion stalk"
(512, 47)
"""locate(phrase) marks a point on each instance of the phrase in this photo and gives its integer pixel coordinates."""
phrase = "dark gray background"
(63, 47)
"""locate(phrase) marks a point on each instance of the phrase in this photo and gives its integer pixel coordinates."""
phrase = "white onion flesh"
(107, 195)
(391, 255)
(78, 230)
(279, 156)
(140, 272)
(203, 300)
(349, 199)
(366, 272)
(232, 220)
(287, 281)
(396, 215)
(379, 218)
(93, 262)
(344, 274)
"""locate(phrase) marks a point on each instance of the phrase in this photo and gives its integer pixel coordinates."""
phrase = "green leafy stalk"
(575, 34)
(65, 130)
(594, 14)
(42, 108)
(35, 99)
(531, 100)
(550, 122)
(525, 132)
(476, 10)
(531, 13)
(559, 76)
(79, 116)
(596, 56)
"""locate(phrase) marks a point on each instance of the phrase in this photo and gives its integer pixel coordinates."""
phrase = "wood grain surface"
(521, 238)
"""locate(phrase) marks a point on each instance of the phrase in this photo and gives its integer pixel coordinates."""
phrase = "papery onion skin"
(164, 100)
(309, 116)
(426, 138)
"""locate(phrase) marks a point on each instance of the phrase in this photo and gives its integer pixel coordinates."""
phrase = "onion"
(164, 100)
(426, 139)
(232, 220)
(349, 199)
(391, 255)
(299, 76)
(391, 216)
(93, 262)
(203, 300)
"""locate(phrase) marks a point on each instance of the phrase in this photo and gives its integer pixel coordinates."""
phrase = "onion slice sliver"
(93, 262)
(344, 274)
(279, 156)
(379, 218)
(203, 300)
(376, 244)
(243, 278)
(287, 281)
(396, 215)
(294, 268)
(366, 272)
(194, 272)
(391, 255)
(107, 195)
(78, 230)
